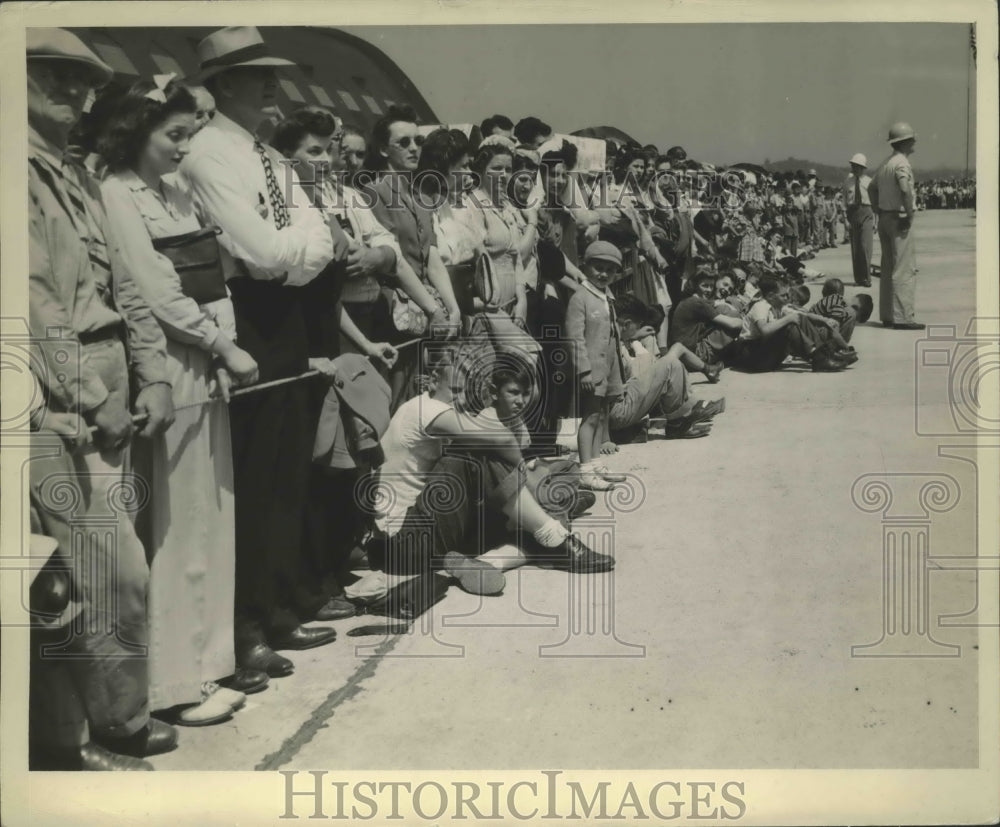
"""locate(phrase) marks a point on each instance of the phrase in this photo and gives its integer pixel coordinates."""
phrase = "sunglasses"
(405, 143)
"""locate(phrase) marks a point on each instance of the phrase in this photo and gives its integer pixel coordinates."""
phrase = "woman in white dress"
(187, 527)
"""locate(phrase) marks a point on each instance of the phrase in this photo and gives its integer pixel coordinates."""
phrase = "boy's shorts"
(612, 384)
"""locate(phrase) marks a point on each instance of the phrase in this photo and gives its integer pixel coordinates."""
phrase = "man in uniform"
(860, 219)
(81, 299)
(891, 193)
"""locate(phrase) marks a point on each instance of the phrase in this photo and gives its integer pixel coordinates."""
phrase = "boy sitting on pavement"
(798, 298)
(833, 306)
(655, 385)
(482, 469)
(773, 332)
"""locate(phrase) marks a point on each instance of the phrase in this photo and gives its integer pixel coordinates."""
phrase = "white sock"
(505, 557)
(588, 467)
(551, 534)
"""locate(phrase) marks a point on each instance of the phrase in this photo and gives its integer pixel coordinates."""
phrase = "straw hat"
(235, 46)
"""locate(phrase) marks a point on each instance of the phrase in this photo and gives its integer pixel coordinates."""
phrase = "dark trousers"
(847, 325)
(272, 437)
(333, 526)
(457, 511)
(544, 320)
(862, 223)
(766, 353)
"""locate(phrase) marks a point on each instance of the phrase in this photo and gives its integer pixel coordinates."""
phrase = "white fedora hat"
(235, 46)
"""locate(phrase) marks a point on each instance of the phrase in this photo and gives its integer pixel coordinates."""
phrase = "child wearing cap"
(591, 326)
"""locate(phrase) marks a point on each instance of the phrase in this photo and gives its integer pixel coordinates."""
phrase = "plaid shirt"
(751, 246)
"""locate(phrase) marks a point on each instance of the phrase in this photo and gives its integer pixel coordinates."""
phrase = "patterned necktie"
(857, 190)
(64, 183)
(278, 207)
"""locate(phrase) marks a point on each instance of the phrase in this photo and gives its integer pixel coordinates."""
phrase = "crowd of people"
(337, 364)
(947, 194)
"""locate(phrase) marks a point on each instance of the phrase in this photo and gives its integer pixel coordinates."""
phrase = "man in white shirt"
(861, 219)
(273, 242)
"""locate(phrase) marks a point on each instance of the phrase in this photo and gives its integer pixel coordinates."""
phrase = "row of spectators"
(950, 194)
(334, 367)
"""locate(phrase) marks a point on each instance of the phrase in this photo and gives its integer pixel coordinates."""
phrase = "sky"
(726, 92)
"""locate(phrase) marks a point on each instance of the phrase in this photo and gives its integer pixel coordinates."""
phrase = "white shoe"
(235, 700)
(605, 473)
(594, 482)
(212, 710)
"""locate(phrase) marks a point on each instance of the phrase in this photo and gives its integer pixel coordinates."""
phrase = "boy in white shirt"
(442, 468)
(771, 334)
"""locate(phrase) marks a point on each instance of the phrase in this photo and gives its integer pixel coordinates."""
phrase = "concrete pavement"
(746, 573)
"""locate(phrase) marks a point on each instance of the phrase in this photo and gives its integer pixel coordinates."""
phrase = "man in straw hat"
(82, 303)
(860, 219)
(273, 241)
(892, 194)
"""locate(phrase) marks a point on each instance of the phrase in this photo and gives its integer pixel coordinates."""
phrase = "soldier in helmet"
(892, 195)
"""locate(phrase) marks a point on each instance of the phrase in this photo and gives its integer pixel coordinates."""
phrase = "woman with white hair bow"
(188, 529)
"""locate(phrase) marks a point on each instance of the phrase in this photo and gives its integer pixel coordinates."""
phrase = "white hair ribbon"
(160, 83)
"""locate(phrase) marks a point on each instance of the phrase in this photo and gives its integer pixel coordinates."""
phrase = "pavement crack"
(322, 713)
